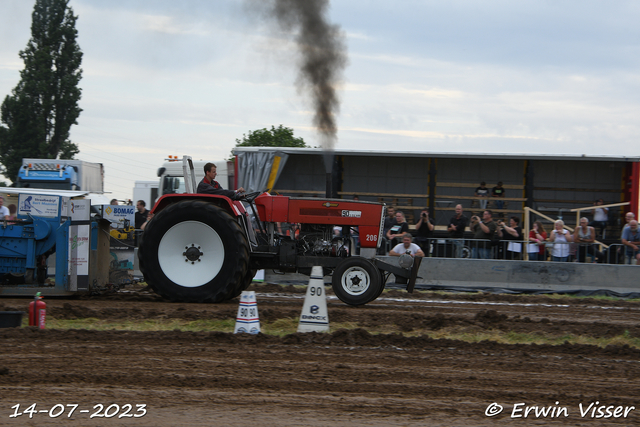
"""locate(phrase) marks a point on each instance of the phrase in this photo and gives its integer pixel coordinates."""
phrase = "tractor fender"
(233, 207)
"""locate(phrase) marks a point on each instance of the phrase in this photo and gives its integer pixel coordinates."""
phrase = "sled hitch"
(406, 276)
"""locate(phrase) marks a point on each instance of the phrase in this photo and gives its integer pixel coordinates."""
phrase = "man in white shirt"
(600, 217)
(406, 247)
(4, 212)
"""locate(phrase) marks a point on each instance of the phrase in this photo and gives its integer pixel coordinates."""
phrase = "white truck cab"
(172, 177)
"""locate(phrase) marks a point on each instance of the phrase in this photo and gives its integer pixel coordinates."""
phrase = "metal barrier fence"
(516, 249)
(618, 253)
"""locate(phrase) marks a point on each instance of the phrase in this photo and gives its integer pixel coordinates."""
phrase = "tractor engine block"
(319, 240)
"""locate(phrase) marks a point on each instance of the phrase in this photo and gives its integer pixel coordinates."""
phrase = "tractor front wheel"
(356, 281)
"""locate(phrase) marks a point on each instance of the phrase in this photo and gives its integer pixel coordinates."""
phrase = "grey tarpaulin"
(255, 169)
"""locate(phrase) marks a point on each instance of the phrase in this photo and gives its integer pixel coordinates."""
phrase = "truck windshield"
(60, 185)
(173, 184)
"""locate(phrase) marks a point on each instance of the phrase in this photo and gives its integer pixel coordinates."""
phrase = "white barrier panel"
(247, 320)
(315, 316)
(517, 275)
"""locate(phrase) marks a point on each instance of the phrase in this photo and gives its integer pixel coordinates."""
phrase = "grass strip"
(286, 326)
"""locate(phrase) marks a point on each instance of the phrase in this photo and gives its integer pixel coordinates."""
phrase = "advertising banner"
(79, 244)
(37, 205)
(122, 241)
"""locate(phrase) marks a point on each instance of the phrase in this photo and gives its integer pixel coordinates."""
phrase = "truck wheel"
(356, 281)
(194, 252)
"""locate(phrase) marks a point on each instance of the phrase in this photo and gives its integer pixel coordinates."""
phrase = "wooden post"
(527, 217)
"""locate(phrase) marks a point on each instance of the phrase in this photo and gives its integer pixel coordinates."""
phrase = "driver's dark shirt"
(213, 187)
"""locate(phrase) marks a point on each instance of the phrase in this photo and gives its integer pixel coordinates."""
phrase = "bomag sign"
(119, 210)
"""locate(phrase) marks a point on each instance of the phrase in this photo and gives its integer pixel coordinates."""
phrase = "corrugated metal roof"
(372, 153)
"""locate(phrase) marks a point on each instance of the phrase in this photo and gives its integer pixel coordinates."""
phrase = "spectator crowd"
(498, 238)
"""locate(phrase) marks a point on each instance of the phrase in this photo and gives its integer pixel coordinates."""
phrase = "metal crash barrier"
(516, 250)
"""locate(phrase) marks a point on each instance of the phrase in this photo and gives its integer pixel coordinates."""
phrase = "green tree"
(44, 104)
(276, 137)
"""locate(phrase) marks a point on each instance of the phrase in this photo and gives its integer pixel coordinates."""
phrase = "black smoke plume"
(322, 57)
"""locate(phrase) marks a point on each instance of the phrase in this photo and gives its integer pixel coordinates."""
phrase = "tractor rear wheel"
(194, 252)
(245, 283)
(356, 281)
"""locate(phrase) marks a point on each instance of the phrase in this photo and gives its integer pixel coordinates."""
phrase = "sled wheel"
(194, 252)
(356, 281)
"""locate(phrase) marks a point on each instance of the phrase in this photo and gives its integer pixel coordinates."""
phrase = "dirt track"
(348, 377)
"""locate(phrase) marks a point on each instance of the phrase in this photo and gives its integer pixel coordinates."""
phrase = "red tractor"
(207, 248)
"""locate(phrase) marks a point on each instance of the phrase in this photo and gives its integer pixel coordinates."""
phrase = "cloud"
(359, 36)
(169, 25)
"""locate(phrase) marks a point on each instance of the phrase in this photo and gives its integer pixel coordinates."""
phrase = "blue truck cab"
(55, 176)
(59, 174)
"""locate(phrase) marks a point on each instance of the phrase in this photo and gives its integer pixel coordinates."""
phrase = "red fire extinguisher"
(37, 312)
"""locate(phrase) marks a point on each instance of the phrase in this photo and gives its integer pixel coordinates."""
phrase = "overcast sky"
(171, 78)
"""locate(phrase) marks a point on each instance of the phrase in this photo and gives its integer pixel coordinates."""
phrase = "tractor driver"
(208, 185)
